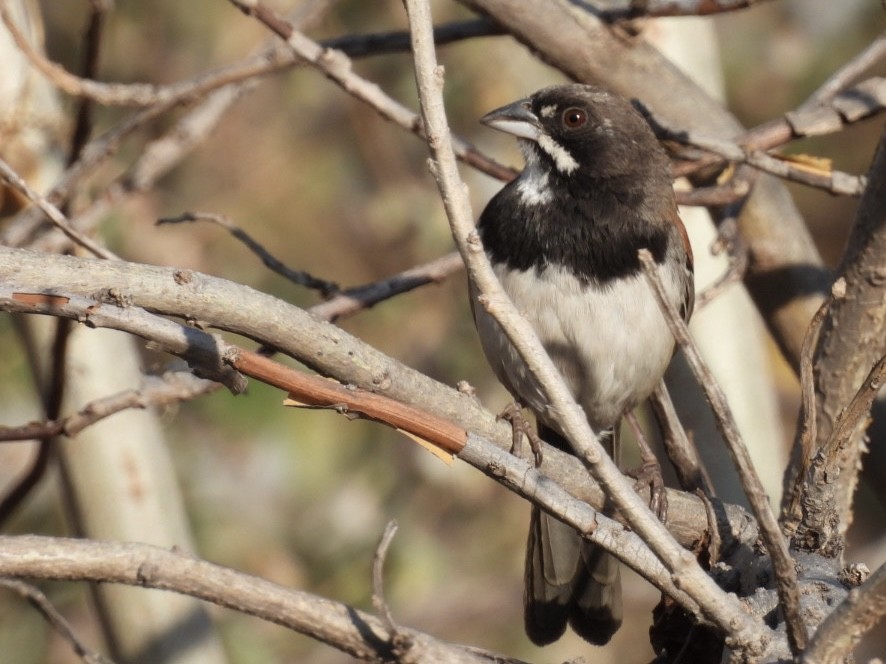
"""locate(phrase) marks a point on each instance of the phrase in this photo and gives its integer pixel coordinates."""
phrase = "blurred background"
(301, 497)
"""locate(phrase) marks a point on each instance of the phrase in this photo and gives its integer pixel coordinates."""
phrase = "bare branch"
(843, 628)
(378, 577)
(54, 215)
(336, 66)
(785, 573)
(56, 620)
(324, 347)
(327, 288)
(851, 341)
(659, 8)
(354, 299)
(680, 449)
(869, 56)
(173, 387)
(352, 631)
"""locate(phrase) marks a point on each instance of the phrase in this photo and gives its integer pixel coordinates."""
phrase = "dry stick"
(858, 410)
(864, 100)
(352, 300)
(868, 57)
(336, 66)
(54, 215)
(783, 564)
(208, 354)
(655, 8)
(717, 606)
(269, 260)
(850, 620)
(680, 450)
(836, 182)
(342, 302)
(378, 578)
(173, 387)
(137, 94)
(54, 618)
(344, 627)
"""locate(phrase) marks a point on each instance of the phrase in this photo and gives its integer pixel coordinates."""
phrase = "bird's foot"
(521, 428)
(648, 475)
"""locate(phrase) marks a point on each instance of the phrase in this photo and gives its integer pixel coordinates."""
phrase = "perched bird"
(563, 239)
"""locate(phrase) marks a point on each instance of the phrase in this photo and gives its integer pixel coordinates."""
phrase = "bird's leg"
(520, 428)
(649, 473)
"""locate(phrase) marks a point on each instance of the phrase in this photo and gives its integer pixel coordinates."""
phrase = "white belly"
(611, 344)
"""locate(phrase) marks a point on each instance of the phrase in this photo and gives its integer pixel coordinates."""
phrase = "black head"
(582, 131)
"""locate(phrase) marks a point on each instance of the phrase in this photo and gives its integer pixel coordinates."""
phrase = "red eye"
(574, 117)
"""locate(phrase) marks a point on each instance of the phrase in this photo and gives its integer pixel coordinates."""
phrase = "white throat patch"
(533, 185)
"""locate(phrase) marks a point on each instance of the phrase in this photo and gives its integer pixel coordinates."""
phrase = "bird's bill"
(516, 119)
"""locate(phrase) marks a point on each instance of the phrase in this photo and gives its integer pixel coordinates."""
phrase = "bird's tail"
(568, 581)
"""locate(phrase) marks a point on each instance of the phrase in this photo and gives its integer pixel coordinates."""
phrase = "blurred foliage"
(301, 497)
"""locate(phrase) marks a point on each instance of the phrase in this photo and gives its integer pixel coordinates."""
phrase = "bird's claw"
(520, 428)
(649, 475)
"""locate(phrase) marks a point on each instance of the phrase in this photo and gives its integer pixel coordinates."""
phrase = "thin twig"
(354, 299)
(92, 47)
(173, 387)
(834, 181)
(720, 608)
(326, 288)
(662, 8)
(680, 449)
(857, 413)
(836, 82)
(852, 105)
(336, 66)
(58, 219)
(54, 619)
(379, 602)
(785, 573)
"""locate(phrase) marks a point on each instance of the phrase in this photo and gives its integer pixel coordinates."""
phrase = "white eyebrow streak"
(564, 161)
(548, 111)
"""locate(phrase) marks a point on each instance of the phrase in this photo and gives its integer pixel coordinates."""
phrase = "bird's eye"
(574, 117)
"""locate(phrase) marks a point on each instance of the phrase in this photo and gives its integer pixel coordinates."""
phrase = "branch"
(269, 260)
(55, 619)
(785, 573)
(173, 387)
(716, 606)
(54, 215)
(821, 118)
(851, 341)
(333, 352)
(352, 631)
(843, 628)
(336, 66)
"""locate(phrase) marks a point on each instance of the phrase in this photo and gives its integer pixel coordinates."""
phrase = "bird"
(563, 239)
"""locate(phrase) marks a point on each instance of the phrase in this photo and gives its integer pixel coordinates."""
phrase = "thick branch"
(295, 332)
(851, 341)
(357, 633)
(848, 622)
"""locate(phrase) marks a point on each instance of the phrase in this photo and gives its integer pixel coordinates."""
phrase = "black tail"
(568, 580)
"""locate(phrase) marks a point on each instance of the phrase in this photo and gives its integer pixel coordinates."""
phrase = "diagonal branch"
(785, 573)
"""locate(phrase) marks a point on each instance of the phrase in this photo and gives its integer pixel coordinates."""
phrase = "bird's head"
(581, 130)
